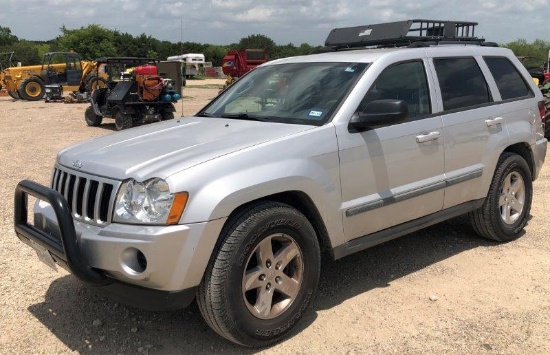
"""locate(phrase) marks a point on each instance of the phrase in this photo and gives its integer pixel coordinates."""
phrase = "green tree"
(258, 42)
(305, 49)
(536, 53)
(214, 54)
(125, 44)
(26, 52)
(146, 46)
(288, 50)
(164, 49)
(90, 42)
(6, 38)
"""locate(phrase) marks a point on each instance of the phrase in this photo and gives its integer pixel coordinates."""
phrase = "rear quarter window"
(509, 81)
(462, 83)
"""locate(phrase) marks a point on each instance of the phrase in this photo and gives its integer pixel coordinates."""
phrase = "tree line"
(94, 41)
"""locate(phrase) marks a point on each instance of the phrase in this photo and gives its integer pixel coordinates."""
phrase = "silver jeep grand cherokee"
(335, 152)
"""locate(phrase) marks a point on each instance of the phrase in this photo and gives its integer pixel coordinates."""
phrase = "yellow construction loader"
(59, 69)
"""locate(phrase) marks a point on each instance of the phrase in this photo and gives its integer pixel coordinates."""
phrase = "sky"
(284, 21)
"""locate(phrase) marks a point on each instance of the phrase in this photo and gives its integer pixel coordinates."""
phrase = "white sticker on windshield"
(315, 113)
(349, 70)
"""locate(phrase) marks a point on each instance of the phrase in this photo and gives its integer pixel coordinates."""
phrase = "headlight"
(148, 202)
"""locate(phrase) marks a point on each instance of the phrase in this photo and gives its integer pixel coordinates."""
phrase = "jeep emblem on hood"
(77, 164)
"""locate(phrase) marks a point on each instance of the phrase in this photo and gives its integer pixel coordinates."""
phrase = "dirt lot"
(439, 290)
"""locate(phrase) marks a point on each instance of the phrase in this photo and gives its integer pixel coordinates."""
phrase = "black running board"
(388, 234)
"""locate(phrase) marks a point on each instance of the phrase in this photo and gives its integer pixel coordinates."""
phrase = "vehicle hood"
(162, 149)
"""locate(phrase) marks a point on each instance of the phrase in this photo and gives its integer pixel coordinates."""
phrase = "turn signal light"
(180, 200)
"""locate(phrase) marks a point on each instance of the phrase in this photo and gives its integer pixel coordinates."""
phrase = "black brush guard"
(66, 249)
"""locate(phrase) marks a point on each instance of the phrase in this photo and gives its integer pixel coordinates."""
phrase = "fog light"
(133, 261)
(142, 260)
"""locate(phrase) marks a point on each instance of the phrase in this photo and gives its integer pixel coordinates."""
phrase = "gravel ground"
(440, 290)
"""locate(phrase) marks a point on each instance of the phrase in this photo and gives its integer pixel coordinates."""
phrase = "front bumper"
(163, 263)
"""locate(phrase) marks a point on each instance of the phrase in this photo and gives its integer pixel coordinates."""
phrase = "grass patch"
(206, 86)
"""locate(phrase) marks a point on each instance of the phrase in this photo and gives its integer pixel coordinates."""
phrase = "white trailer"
(194, 62)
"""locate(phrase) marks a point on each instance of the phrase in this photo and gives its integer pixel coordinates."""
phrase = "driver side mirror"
(380, 113)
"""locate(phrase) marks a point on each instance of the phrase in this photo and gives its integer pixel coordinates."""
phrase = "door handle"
(427, 137)
(493, 121)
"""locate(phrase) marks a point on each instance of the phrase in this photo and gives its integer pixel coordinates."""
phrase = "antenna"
(181, 51)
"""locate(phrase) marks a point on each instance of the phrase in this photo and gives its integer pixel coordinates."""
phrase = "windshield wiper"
(204, 114)
(243, 116)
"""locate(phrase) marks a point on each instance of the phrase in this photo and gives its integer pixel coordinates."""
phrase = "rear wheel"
(123, 121)
(32, 89)
(91, 118)
(506, 209)
(167, 116)
(263, 275)
(94, 82)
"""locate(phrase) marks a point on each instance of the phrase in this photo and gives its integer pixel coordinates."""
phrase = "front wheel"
(263, 275)
(505, 211)
(91, 118)
(32, 89)
(123, 121)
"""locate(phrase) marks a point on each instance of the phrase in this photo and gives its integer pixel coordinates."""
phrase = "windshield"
(299, 93)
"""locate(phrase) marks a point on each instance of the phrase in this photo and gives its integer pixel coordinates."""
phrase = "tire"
(238, 277)
(93, 82)
(91, 118)
(32, 89)
(14, 95)
(167, 116)
(123, 121)
(506, 209)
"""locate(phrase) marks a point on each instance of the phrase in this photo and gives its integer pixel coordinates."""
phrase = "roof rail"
(403, 33)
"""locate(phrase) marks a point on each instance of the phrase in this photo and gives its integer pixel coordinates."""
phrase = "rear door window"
(509, 81)
(462, 83)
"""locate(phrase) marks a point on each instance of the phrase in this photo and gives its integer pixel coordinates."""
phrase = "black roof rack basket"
(403, 33)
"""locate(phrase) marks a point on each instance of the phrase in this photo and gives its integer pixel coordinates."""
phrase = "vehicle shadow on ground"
(109, 126)
(86, 321)
(380, 265)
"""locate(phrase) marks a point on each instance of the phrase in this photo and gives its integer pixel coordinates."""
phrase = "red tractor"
(238, 62)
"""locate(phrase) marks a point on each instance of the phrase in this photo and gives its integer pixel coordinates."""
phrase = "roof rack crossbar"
(403, 33)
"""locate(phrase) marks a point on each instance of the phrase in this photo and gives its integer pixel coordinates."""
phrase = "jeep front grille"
(91, 198)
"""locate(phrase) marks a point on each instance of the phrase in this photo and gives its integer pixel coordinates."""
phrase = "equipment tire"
(505, 210)
(32, 89)
(267, 255)
(167, 116)
(94, 82)
(91, 118)
(123, 121)
(14, 95)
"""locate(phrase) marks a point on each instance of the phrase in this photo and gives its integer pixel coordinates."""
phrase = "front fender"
(218, 187)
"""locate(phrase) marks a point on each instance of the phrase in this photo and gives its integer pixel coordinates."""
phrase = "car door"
(393, 174)
(74, 70)
(472, 127)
